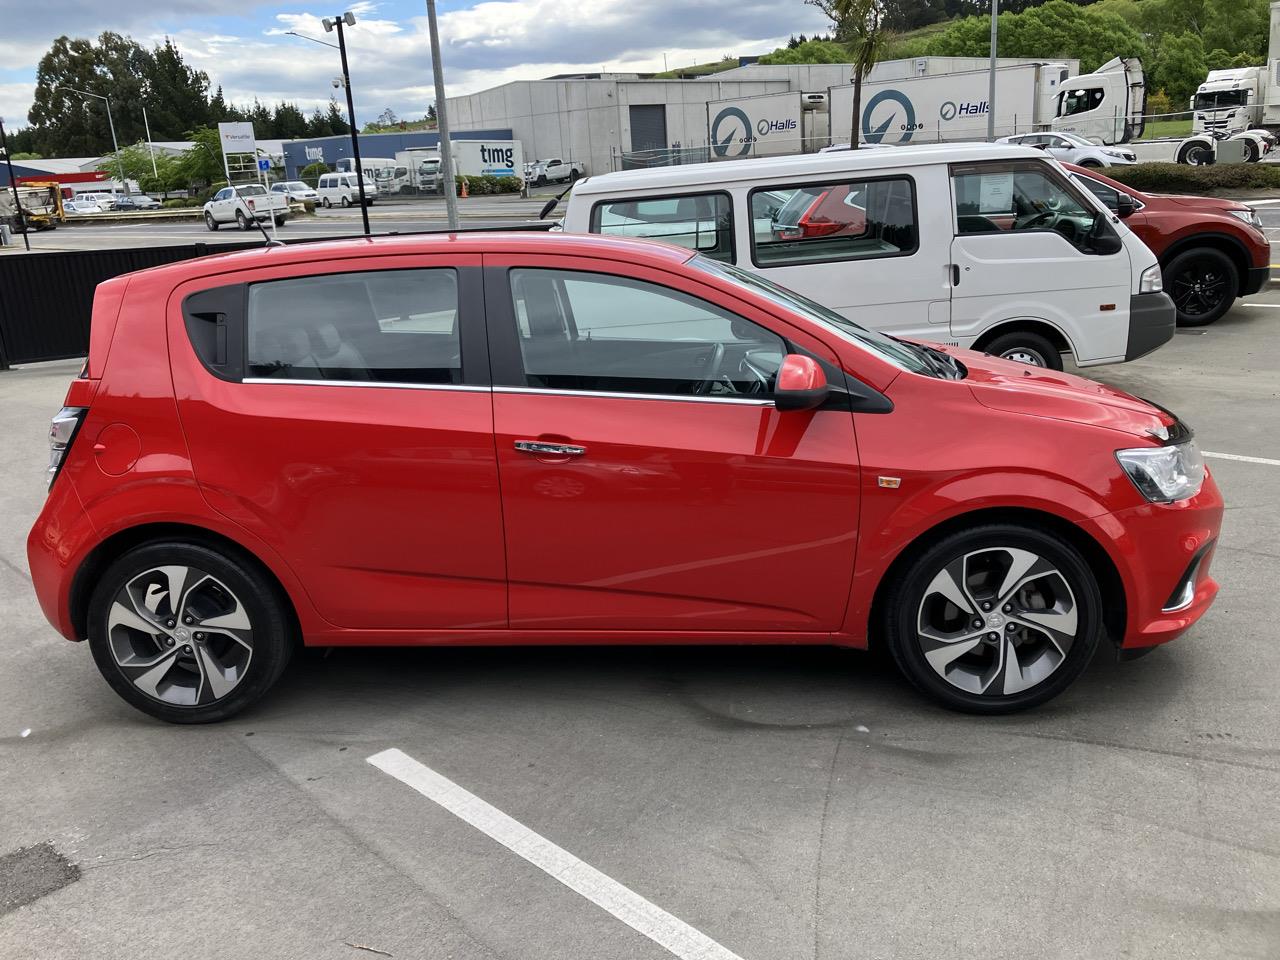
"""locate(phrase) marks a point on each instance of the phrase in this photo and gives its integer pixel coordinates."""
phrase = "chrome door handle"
(550, 449)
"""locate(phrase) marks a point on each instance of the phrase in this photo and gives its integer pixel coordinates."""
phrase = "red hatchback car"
(548, 439)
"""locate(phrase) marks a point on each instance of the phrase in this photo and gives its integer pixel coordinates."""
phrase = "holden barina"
(549, 439)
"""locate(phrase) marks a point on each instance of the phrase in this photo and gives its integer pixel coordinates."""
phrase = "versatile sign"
(756, 126)
(237, 138)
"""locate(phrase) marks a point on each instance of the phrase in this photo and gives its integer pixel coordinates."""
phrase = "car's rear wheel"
(1026, 346)
(209, 222)
(281, 220)
(1203, 284)
(995, 619)
(186, 633)
(241, 220)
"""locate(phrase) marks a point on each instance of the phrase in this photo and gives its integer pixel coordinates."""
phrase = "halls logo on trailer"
(890, 118)
(754, 126)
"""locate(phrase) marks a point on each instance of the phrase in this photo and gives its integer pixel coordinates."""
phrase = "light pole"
(991, 91)
(146, 125)
(442, 122)
(111, 124)
(303, 36)
(13, 185)
(349, 19)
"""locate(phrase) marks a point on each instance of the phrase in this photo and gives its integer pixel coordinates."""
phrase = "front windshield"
(1077, 140)
(902, 355)
(1220, 99)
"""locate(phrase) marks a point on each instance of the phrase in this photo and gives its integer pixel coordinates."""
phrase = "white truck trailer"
(471, 158)
(1106, 105)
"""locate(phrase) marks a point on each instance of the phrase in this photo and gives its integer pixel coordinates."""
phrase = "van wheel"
(1203, 284)
(346, 201)
(1024, 346)
(995, 619)
(325, 203)
(186, 634)
(209, 222)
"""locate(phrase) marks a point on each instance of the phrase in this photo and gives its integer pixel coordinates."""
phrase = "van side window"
(598, 332)
(1011, 196)
(699, 221)
(846, 220)
(390, 326)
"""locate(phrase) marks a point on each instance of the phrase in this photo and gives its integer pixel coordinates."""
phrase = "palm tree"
(859, 24)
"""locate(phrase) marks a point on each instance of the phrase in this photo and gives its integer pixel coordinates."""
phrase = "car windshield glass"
(1075, 140)
(251, 190)
(903, 355)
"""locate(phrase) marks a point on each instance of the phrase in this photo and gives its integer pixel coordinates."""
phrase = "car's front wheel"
(209, 222)
(186, 633)
(1203, 284)
(995, 619)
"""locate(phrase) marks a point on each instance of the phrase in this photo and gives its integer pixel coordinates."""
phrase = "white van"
(343, 189)
(987, 246)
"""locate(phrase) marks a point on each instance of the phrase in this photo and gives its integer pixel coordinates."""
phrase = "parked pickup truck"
(555, 170)
(242, 205)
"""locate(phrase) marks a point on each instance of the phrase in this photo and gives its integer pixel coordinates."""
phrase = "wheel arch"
(119, 543)
(1233, 247)
(1050, 331)
(1114, 602)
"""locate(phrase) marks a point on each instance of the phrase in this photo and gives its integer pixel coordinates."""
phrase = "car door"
(1020, 253)
(340, 412)
(1061, 149)
(224, 205)
(674, 496)
(879, 256)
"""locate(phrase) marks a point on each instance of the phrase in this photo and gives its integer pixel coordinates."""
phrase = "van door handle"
(955, 274)
(550, 449)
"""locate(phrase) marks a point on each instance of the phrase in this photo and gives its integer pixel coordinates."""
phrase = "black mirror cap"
(791, 400)
(1125, 207)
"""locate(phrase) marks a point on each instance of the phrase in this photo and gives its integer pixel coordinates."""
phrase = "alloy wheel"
(1199, 288)
(180, 635)
(997, 621)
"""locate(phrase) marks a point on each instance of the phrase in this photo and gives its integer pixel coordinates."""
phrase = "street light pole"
(991, 92)
(110, 124)
(442, 122)
(146, 125)
(13, 185)
(349, 19)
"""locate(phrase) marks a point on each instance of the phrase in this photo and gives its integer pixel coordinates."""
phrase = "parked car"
(1073, 148)
(296, 191)
(1211, 251)
(145, 202)
(358, 442)
(242, 205)
(80, 205)
(343, 189)
(105, 200)
(136, 201)
(987, 246)
(554, 170)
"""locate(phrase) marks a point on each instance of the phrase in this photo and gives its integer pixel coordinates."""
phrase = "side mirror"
(1125, 206)
(801, 384)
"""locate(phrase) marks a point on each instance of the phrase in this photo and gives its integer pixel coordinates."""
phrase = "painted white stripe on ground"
(1262, 306)
(1236, 456)
(669, 932)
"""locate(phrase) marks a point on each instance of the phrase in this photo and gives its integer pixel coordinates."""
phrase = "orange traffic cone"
(464, 188)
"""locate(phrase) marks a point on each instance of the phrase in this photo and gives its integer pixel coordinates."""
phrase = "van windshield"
(902, 354)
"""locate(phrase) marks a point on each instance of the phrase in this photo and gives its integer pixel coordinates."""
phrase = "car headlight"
(1151, 280)
(1165, 474)
(1249, 216)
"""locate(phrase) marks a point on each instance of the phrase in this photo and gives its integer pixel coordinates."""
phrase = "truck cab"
(1107, 105)
(1228, 101)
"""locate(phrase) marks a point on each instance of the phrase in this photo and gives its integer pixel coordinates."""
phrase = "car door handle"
(545, 449)
(955, 274)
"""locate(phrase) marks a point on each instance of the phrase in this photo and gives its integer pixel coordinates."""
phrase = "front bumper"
(1255, 279)
(1152, 321)
(1155, 546)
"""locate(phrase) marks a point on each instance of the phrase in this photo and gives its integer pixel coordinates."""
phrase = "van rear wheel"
(1024, 346)
(186, 633)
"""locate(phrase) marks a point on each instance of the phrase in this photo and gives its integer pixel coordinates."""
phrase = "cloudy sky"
(244, 44)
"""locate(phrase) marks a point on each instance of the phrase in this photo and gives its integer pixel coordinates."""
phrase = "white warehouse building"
(609, 121)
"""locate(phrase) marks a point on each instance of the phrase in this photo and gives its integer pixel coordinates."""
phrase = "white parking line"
(669, 932)
(1262, 306)
(1236, 456)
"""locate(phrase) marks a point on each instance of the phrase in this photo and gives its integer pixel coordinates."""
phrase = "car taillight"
(62, 430)
(250, 203)
(823, 228)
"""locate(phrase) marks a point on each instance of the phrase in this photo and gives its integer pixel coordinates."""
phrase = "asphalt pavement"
(765, 804)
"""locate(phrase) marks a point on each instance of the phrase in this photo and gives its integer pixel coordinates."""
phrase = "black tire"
(273, 637)
(242, 221)
(346, 201)
(903, 607)
(1026, 347)
(1091, 164)
(209, 222)
(1250, 151)
(325, 203)
(1196, 154)
(541, 181)
(1203, 283)
(281, 220)
(573, 176)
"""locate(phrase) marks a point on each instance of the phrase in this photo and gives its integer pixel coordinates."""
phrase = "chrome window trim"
(464, 387)
(669, 397)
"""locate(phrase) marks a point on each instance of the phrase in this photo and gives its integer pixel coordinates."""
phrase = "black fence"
(46, 299)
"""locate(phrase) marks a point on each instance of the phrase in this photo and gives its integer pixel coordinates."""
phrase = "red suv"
(548, 439)
(1211, 251)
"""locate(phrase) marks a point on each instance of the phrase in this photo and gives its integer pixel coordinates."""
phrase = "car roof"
(719, 173)
(625, 249)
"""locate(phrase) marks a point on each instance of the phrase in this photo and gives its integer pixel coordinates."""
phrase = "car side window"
(388, 326)
(598, 332)
(1109, 197)
(699, 221)
(1013, 196)
(845, 220)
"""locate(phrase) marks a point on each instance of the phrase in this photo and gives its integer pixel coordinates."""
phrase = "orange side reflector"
(1106, 306)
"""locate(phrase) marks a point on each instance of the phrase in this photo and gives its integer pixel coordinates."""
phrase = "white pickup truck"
(554, 170)
(244, 204)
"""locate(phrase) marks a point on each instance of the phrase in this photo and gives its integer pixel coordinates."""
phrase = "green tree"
(288, 123)
(1180, 67)
(201, 166)
(337, 122)
(177, 96)
(811, 51)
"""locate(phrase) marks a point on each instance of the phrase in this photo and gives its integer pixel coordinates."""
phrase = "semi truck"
(1106, 105)
(471, 158)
